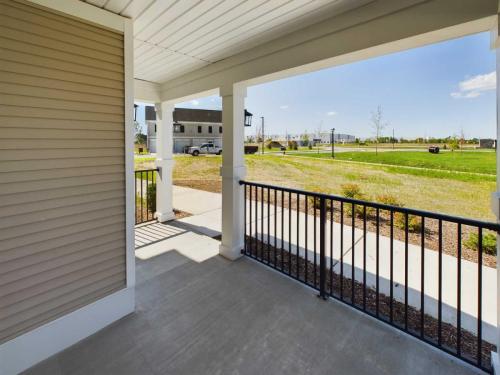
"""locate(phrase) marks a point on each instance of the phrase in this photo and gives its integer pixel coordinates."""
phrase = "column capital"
(233, 90)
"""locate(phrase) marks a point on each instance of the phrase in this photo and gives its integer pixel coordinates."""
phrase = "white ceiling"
(174, 37)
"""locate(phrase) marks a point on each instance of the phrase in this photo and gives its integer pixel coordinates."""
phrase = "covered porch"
(203, 307)
(218, 317)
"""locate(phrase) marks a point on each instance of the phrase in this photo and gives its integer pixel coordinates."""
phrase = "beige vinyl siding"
(62, 169)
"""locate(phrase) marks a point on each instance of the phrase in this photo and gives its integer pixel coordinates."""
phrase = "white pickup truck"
(205, 148)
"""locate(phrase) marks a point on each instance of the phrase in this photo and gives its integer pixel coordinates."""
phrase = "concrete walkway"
(206, 208)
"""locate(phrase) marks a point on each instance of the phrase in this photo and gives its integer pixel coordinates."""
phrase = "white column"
(232, 170)
(495, 204)
(164, 161)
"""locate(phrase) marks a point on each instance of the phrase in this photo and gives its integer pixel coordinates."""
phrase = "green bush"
(414, 223)
(489, 243)
(353, 191)
(151, 197)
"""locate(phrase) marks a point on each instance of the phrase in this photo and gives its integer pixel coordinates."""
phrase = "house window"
(178, 128)
(220, 129)
(199, 128)
(210, 129)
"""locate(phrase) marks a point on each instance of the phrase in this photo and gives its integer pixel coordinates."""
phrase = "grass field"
(437, 191)
(466, 161)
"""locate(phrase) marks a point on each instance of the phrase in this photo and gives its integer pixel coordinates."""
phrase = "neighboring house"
(191, 127)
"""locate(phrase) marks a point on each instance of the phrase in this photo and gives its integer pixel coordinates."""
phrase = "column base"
(164, 216)
(495, 364)
(231, 253)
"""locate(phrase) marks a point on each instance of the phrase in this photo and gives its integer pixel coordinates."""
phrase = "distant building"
(191, 127)
(325, 137)
(487, 143)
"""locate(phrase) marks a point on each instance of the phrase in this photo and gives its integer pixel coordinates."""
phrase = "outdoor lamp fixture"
(333, 143)
(248, 118)
(135, 111)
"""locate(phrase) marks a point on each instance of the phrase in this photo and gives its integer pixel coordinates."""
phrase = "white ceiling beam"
(378, 28)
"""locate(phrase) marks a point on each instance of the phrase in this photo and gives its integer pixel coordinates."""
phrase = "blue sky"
(437, 90)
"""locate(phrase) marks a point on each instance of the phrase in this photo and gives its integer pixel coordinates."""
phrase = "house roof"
(189, 115)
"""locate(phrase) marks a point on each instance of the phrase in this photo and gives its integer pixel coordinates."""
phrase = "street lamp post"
(333, 142)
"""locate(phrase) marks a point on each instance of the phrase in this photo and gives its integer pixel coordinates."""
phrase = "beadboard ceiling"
(174, 37)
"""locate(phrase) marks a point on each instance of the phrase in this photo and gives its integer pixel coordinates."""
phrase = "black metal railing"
(145, 195)
(403, 266)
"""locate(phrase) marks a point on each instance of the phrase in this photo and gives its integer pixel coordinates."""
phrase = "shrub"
(489, 243)
(353, 191)
(151, 197)
(310, 146)
(292, 145)
(389, 199)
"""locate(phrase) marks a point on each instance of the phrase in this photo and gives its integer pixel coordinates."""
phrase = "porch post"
(164, 161)
(495, 203)
(232, 170)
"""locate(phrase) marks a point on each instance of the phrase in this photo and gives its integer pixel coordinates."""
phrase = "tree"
(305, 139)
(139, 136)
(378, 124)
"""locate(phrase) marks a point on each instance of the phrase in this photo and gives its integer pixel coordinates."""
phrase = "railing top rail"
(410, 211)
(146, 170)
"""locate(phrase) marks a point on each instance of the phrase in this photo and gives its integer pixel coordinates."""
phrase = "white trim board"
(43, 342)
(84, 11)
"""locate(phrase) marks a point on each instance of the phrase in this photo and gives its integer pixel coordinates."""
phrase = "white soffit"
(174, 37)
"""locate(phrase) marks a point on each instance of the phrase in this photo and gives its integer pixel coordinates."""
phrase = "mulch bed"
(431, 234)
(407, 318)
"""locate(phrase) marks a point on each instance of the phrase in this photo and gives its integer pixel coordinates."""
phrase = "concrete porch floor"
(222, 317)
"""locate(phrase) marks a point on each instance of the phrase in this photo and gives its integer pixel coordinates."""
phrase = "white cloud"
(475, 86)
(195, 102)
(331, 113)
(284, 106)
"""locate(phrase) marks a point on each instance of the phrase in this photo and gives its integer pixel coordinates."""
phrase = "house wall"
(62, 166)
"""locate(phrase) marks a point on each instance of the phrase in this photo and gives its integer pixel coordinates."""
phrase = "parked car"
(206, 148)
(434, 149)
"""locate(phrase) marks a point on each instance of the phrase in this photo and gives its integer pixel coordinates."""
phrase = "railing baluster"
(377, 245)
(250, 219)
(406, 271)
(282, 230)
(315, 241)
(342, 250)
(298, 231)
(135, 197)
(268, 225)
(290, 233)
(364, 257)
(331, 247)
(422, 278)
(353, 275)
(275, 228)
(306, 199)
(459, 289)
(479, 296)
(262, 223)
(322, 259)
(142, 196)
(244, 219)
(391, 266)
(440, 281)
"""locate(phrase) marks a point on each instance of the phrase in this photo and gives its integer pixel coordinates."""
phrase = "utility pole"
(333, 143)
(263, 138)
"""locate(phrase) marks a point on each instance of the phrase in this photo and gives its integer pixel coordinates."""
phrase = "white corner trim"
(32, 347)
(128, 56)
(85, 11)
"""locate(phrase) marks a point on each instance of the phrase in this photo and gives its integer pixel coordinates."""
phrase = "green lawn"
(466, 161)
(433, 190)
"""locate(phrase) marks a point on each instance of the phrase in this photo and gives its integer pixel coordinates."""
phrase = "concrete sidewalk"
(207, 216)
